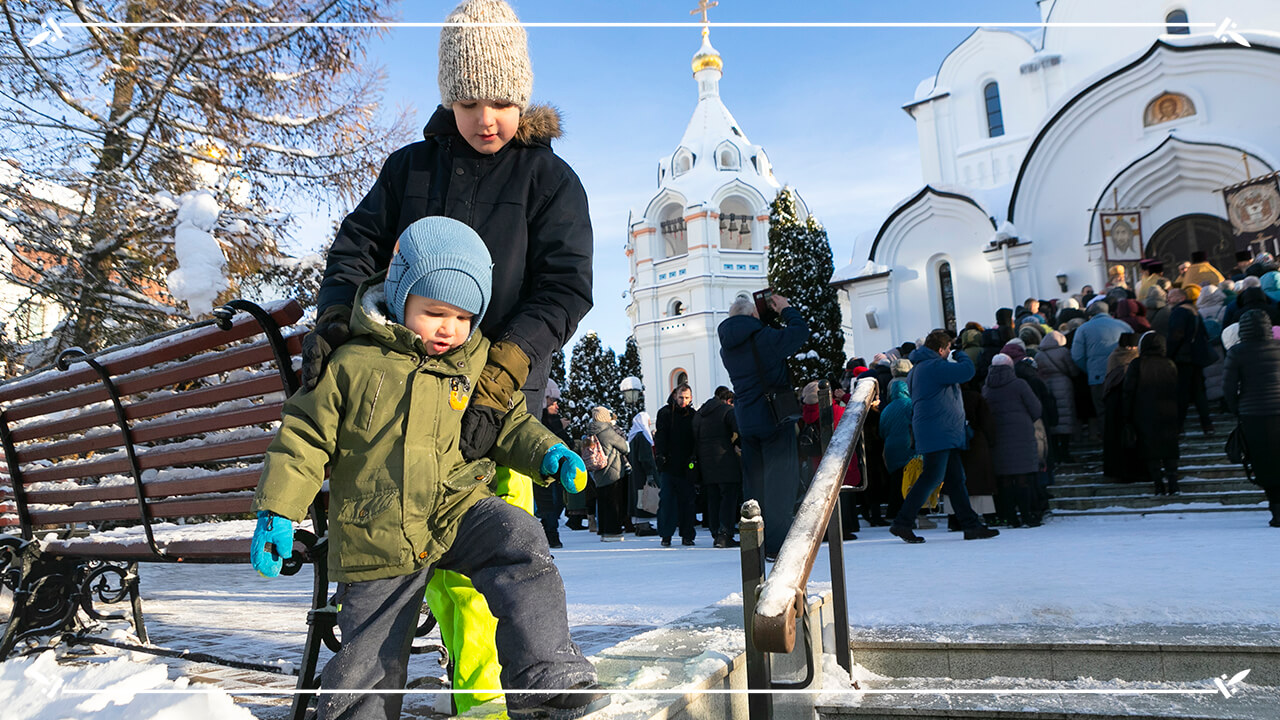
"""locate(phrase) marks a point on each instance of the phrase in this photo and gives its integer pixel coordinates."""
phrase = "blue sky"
(824, 102)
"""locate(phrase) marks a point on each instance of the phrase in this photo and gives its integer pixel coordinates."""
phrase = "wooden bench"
(148, 452)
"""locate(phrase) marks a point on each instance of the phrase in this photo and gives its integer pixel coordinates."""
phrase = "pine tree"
(592, 381)
(800, 267)
(120, 124)
(629, 366)
(557, 368)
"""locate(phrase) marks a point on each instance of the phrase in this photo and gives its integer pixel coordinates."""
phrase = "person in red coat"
(852, 476)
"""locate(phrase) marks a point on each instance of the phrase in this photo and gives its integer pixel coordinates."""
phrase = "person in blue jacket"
(756, 357)
(940, 431)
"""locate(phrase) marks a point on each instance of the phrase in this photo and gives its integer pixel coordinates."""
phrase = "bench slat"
(194, 550)
(213, 364)
(158, 458)
(236, 479)
(243, 326)
(152, 407)
(129, 511)
(160, 431)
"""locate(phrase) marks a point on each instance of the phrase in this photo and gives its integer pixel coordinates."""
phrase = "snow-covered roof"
(712, 129)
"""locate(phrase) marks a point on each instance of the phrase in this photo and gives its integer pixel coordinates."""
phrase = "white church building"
(1028, 138)
(699, 243)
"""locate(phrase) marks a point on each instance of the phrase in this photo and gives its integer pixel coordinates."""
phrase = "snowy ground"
(1198, 577)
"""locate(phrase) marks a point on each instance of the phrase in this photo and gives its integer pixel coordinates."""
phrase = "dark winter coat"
(644, 467)
(937, 412)
(715, 433)
(751, 380)
(673, 439)
(1252, 389)
(971, 344)
(1188, 341)
(1251, 382)
(1027, 371)
(895, 427)
(1151, 400)
(1014, 408)
(1118, 462)
(524, 201)
(1250, 299)
(1134, 314)
(881, 374)
(1057, 370)
(979, 472)
(615, 451)
(556, 424)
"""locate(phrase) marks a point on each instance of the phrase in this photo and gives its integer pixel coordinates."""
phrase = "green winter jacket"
(386, 420)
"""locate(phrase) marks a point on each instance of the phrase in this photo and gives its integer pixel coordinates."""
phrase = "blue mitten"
(272, 543)
(562, 462)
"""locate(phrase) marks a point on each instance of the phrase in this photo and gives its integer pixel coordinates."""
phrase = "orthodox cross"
(703, 7)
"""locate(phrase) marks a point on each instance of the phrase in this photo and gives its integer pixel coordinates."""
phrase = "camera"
(763, 308)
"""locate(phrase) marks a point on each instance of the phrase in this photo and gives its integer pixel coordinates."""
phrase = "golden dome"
(707, 56)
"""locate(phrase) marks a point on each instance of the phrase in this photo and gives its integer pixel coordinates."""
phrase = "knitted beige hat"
(484, 63)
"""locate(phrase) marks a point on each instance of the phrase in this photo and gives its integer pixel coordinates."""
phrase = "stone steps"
(1155, 673)
(1208, 482)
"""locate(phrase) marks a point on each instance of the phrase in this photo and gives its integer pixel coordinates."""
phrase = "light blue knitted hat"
(442, 259)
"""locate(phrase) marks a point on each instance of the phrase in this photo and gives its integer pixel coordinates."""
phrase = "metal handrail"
(781, 597)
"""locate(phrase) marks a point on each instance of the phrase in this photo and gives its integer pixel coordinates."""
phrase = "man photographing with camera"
(755, 355)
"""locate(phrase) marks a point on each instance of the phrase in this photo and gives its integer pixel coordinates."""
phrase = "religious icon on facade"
(1122, 236)
(1167, 107)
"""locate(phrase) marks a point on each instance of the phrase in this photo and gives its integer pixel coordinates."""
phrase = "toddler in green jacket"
(403, 501)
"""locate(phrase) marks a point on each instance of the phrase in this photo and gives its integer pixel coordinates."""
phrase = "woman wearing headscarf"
(1251, 389)
(1212, 306)
(895, 430)
(1119, 464)
(979, 473)
(611, 498)
(1151, 409)
(1134, 314)
(1057, 369)
(644, 468)
(1016, 457)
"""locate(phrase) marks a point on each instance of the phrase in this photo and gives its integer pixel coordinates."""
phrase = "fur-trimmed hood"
(539, 125)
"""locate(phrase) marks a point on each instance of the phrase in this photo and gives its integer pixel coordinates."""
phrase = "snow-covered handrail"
(781, 597)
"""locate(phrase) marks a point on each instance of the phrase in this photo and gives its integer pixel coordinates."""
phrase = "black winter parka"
(1251, 379)
(524, 201)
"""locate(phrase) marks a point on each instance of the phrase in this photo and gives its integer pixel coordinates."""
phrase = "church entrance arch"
(1174, 242)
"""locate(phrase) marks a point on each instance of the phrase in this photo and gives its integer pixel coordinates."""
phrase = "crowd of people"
(977, 420)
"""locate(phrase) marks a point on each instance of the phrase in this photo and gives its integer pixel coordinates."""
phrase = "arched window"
(678, 377)
(948, 293)
(677, 307)
(683, 161)
(675, 231)
(728, 157)
(735, 224)
(1174, 21)
(995, 116)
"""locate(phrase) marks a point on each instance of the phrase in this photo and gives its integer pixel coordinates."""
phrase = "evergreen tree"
(629, 366)
(800, 268)
(592, 372)
(120, 126)
(557, 368)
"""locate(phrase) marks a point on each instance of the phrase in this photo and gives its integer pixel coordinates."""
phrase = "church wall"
(936, 229)
(1103, 133)
(1085, 52)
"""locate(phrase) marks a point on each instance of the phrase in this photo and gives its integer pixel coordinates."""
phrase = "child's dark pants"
(504, 551)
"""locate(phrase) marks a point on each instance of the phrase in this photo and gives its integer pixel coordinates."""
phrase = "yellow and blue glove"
(272, 543)
(564, 463)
